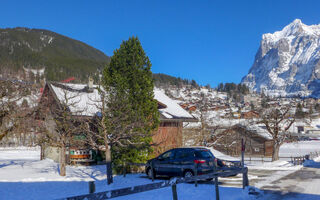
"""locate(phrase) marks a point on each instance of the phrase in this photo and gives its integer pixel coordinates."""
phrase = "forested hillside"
(36, 54)
(24, 49)
(164, 80)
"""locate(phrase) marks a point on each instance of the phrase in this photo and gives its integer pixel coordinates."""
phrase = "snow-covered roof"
(259, 130)
(83, 102)
(173, 110)
(80, 102)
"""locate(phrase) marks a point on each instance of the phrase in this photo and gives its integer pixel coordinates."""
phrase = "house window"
(300, 129)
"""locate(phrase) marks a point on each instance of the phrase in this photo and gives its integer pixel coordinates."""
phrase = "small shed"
(257, 141)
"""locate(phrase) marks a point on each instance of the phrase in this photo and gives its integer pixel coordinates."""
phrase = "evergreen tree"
(194, 84)
(299, 112)
(220, 87)
(129, 85)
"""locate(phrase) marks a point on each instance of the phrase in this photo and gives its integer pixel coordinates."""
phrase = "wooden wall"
(168, 136)
(268, 148)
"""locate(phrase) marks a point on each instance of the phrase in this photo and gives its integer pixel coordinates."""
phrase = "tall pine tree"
(129, 85)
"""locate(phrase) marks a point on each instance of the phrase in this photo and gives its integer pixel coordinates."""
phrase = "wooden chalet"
(168, 135)
(257, 141)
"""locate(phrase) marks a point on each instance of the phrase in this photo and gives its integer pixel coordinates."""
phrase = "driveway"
(302, 184)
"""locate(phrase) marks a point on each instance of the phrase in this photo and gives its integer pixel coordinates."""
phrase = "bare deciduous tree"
(13, 109)
(61, 123)
(277, 121)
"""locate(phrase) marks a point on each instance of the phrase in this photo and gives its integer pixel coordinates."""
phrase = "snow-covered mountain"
(288, 62)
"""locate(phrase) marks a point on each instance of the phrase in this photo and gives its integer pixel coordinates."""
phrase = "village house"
(306, 128)
(257, 141)
(249, 114)
(84, 106)
(227, 139)
(251, 99)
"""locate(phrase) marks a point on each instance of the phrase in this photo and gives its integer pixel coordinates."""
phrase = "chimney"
(90, 83)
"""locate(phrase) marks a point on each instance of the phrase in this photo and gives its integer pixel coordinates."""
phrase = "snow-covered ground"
(287, 151)
(24, 176)
(299, 148)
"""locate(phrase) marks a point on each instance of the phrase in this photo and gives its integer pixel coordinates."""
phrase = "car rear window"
(203, 154)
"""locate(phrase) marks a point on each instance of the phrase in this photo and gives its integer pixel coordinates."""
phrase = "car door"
(164, 165)
(183, 160)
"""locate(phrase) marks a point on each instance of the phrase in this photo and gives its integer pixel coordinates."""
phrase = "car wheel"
(188, 174)
(149, 173)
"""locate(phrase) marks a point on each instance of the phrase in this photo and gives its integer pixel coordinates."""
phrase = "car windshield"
(203, 154)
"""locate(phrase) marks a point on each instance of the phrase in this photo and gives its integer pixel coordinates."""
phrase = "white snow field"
(299, 148)
(24, 176)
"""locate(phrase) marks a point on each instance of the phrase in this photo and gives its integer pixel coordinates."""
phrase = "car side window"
(167, 155)
(181, 154)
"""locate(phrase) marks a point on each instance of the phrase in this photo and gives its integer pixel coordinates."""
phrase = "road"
(302, 184)
(257, 178)
(281, 184)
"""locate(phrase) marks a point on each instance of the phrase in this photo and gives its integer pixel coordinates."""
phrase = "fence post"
(152, 172)
(174, 191)
(124, 169)
(216, 185)
(242, 152)
(216, 181)
(92, 187)
(196, 173)
(245, 179)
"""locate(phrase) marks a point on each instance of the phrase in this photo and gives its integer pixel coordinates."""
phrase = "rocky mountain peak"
(288, 62)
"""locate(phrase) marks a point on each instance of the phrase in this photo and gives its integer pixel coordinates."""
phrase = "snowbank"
(222, 156)
(280, 165)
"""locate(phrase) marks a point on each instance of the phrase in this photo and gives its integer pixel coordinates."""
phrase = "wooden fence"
(296, 160)
(172, 182)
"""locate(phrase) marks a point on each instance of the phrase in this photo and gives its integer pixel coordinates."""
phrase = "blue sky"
(208, 41)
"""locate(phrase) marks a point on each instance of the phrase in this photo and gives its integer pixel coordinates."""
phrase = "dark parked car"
(181, 162)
